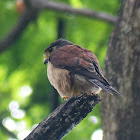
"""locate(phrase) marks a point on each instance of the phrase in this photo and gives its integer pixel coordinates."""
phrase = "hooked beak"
(45, 61)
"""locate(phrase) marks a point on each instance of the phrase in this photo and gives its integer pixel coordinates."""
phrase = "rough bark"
(121, 116)
(64, 118)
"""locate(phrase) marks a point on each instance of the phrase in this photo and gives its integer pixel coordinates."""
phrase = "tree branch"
(61, 7)
(32, 10)
(64, 118)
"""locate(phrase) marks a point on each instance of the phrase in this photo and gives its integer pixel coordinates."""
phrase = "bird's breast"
(60, 79)
(69, 84)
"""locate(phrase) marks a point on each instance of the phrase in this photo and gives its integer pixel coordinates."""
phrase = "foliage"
(23, 82)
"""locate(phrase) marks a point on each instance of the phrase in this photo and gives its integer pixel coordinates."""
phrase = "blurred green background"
(25, 93)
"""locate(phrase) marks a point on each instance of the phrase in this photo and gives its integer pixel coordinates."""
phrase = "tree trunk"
(121, 116)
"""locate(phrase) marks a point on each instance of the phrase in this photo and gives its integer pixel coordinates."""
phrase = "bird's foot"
(66, 98)
(79, 94)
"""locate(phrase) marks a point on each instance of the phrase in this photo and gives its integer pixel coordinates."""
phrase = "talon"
(65, 98)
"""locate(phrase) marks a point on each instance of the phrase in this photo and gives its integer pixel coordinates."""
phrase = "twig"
(64, 118)
(61, 7)
(83, 12)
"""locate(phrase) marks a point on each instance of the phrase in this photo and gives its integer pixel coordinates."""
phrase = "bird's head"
(54, 46)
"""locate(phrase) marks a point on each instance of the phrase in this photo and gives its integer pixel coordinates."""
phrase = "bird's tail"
(107, 88)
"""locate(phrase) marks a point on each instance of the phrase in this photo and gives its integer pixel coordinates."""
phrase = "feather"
(107, 88)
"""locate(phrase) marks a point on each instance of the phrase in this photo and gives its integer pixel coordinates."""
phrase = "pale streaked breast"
(60, 79)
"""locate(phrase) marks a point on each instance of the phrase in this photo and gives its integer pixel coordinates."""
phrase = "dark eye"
(51, 49)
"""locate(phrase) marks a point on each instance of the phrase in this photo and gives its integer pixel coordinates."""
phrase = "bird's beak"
(46, 56)
(45, 61)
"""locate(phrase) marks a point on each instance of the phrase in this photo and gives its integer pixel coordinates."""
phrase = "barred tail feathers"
(107, 88)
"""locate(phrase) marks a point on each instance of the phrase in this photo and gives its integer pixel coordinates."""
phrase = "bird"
(73, 70)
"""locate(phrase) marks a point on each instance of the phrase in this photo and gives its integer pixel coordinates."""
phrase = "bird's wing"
(78, 61)
(95, 62)
(106, 86)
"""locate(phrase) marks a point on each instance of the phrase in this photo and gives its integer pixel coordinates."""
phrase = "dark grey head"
(54, 46)
(60, 42)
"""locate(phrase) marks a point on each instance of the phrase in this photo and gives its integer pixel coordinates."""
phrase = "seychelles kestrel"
(73, 70)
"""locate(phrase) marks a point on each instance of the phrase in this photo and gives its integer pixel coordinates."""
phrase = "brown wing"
(95, 62)
(78, 61)
(71, 56)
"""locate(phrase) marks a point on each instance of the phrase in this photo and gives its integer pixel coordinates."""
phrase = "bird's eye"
(51, 49)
